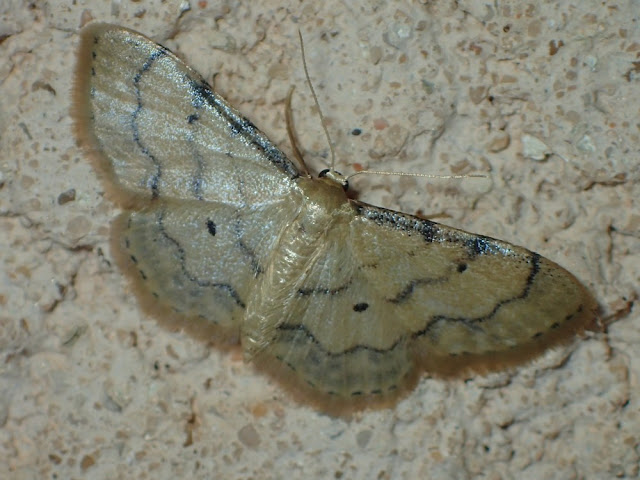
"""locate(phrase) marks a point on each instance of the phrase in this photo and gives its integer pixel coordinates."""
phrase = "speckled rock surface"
(543, 97)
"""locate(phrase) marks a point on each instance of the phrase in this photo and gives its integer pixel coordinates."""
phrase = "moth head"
(335, 177)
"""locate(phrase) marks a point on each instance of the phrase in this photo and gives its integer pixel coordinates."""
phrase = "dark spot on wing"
(211, 227)
(360, 307)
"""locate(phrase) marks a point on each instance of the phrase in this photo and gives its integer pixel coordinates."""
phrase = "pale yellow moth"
(345, 303)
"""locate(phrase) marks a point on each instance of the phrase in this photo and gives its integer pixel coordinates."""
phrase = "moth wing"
(208, 191)
(390, 296)
(155, 128)
(195, 264)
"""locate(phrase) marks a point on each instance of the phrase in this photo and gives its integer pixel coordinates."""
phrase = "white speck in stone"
(591, 62)
(585, 144)
(534, 148)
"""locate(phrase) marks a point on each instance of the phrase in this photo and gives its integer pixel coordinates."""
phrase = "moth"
(346, 304)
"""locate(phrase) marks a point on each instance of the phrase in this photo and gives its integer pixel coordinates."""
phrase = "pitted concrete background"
(542, 97)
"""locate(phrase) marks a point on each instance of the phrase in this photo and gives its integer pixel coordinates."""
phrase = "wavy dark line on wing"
(154, 180)
(407, 291)
(303, 292)
(195, 185)
(201, 283)
(248, 251)
(471, 323)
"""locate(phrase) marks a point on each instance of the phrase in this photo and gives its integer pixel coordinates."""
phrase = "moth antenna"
(315, 99)
(407, 174)
(291, 131)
